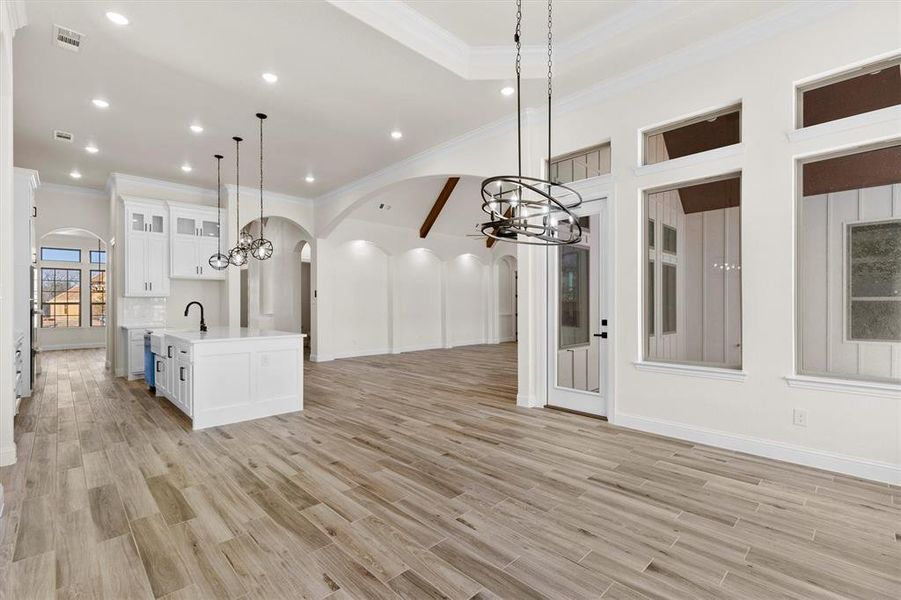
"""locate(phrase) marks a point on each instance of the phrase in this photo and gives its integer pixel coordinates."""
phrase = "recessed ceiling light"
(309, 179)
(75, 174)
(117, 18)
(100, 103)
(197, 128)
(397, 134)
(186, 168)
(507, 91)
(270, 77)
(92, 149)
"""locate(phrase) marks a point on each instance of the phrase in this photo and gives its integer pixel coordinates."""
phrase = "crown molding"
(411, 28)
(253, 192)
(74, 189)
(119, 178)
(33, 177)
(16, 14)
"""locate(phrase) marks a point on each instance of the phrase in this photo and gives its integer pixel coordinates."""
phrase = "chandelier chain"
(261, 178)
(219, 202)
(238, 188)
(550, 40)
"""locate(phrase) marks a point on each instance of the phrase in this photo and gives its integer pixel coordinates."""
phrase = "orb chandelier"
(530, 210)
(218, 260)
(261, 249)
(237, 256)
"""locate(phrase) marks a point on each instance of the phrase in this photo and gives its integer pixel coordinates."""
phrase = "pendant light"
(530, 210)
(261, 249)
(219, 261)
(237, 256)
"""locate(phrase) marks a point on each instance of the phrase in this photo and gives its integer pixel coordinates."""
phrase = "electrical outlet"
(799, 417)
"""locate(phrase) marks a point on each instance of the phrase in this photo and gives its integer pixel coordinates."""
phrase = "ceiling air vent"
(67, 38)
(63, 136)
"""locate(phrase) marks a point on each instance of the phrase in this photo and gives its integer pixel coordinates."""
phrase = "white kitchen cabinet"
(195, 237)
(226, 375)
(182, 385)
(146, 249)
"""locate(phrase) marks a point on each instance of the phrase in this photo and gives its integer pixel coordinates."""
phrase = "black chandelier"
(219, 261)
(237, 256)
(261, 249)
(530, 210)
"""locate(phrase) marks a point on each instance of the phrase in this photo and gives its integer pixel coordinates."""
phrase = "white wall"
(12, 16)
(758, 64)
(506, 299)
(67, 206)
(418, 300)
(824, 348)
(383, 289)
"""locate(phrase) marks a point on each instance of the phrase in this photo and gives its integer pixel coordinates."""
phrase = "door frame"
(596, 193)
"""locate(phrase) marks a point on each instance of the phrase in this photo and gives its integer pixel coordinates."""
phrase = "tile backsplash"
(142, 310)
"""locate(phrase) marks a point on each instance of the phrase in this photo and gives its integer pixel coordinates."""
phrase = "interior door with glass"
(577, 317)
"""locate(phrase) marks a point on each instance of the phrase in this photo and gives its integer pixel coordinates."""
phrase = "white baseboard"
(504, 340)
(526, 401)
(458, 343)
(8, 455)
(317, 358)
(420, 348)
(81, 346)
(358, 353)
(839, 463)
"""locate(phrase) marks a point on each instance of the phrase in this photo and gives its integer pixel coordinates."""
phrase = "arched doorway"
(507, 299)
(276, 293)
(69, 292)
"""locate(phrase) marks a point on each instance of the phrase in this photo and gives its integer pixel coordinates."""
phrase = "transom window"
(699, 134)
(61, 254)
(60, 297)
(98, 257)
(583, 164)
(855, 92)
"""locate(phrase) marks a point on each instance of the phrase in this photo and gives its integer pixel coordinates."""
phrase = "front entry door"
(578, 316)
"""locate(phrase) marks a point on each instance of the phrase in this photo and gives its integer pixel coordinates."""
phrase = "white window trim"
(853, 386)
(688, 370)
(691, 160)
(890, 115)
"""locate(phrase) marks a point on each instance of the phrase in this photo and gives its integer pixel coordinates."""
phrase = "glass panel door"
(577, 318)
(185, 226)
(210, 229)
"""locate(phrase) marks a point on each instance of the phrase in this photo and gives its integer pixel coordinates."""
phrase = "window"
(61, 254)
(874, 282)
(60, 297)
(699, 134)
(98, 257)
(651, 233)
(669, 299)
(669, 239)
(650, 297)
(856, 92)
(849, 258)
(98, 298)
(574, 301)
(583, 164)
(692, 296)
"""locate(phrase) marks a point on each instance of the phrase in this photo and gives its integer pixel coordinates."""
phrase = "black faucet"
(202, 322)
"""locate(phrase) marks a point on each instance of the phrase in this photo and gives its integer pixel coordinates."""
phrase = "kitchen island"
(226, 375)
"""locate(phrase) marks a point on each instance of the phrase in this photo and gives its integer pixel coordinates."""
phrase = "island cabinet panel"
(230, 375)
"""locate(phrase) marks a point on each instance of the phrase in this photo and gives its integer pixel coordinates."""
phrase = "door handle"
(181, 373)
(603, 335)
(158, 366)
(169, 352)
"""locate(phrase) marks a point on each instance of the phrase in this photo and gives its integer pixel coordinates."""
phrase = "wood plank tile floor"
(414, 476)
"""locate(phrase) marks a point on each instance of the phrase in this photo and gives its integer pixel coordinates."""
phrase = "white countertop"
(228, 333)
(143, 326)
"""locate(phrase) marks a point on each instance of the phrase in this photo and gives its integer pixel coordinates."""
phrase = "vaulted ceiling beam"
(439, 204)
